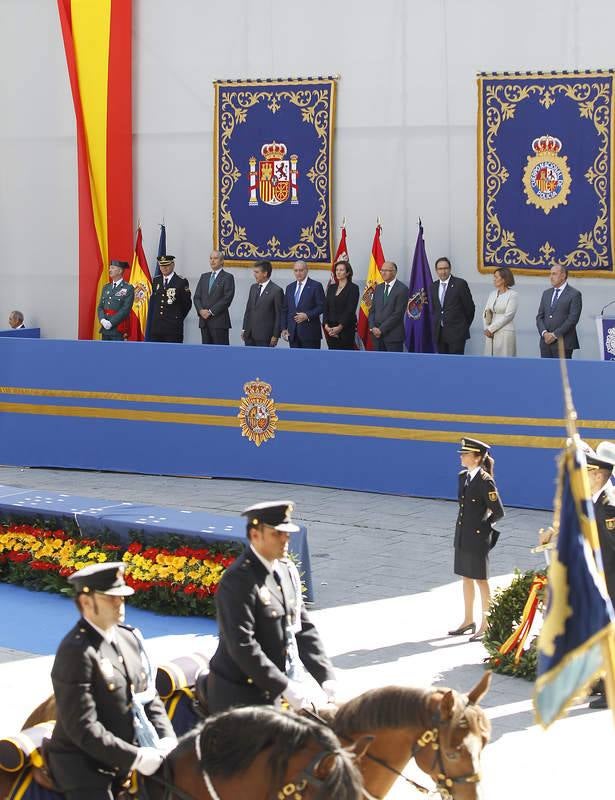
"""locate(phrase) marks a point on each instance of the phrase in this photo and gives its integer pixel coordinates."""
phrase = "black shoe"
(598, 687)
(478, 637)
(599, 702)
(464, 629)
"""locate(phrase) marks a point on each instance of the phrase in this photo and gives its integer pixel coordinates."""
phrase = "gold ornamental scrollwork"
(257, 413)
(501, 101)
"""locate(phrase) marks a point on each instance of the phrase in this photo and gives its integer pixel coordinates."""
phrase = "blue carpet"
(36, 622)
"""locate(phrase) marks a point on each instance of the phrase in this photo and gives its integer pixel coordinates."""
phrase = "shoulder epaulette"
(485, 475)
(126, 626)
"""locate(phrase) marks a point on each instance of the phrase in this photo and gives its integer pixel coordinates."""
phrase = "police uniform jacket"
(93, 741)
(115, 305)
(605, 520)
(479, 507)
(169, 307)
(248, 668)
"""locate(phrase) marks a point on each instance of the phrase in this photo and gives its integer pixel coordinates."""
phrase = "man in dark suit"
(304, 302)
(386, 315)
(169, 304)
(110, 718)
(116, 300)
(212, 297)
(263, 316)
(558, 314)
(453, 310)
(599, 471)
(266, 640)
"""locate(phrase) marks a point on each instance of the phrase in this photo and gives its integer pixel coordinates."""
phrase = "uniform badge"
(610, 524)
(546, 178)
(106, 667)
(264, 595)
(414, 309)
(122, 292)
(493, 496)
(276, 178)
(257, 414)
(170, 296)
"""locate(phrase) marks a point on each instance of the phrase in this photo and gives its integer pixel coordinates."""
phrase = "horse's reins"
(431, 736)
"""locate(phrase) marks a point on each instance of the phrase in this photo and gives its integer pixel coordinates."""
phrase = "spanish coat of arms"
(257, 414)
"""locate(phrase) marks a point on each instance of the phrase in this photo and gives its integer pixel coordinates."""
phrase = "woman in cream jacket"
(499, 315)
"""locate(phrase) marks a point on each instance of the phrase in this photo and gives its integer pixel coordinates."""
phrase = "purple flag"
(418, 319)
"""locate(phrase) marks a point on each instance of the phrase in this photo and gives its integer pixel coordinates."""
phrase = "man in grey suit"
(213, 295)
(386, 315)
(559, 312)
(262, 320)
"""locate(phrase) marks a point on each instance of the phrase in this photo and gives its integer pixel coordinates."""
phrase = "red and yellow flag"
(142, 281)
(373, 279)
(98, 44)
(340, 253)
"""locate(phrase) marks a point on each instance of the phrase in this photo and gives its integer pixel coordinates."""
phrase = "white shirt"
(472, 473)
(117, 283)
(299, 289)
(165, 281)
(261, 286)
(391, 284)
(559, 289)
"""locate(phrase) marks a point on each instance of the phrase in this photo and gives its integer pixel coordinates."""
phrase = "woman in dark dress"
(340, 317)
(479, 507)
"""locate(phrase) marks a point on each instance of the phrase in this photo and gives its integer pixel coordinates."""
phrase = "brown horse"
(259, 753)
(443, 730)
(45, 712)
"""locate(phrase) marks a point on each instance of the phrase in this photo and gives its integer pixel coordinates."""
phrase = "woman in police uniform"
(479, 508)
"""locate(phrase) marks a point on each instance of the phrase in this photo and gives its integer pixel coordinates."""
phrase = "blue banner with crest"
(545, 178)
(272, 171)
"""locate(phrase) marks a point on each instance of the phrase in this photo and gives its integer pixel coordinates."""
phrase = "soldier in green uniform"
(115, 303)
(169, 304)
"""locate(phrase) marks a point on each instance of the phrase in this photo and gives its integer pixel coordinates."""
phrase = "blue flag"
(418, 319)
(579, 614)
(162, 251)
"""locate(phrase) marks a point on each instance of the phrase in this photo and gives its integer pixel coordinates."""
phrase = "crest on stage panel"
(546, 177)
(257, 414)
(414, 309)
(276, 178)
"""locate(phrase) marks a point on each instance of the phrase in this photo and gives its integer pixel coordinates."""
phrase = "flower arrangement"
(169, 575)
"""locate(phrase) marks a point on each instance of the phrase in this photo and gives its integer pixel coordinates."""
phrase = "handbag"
(488, 315)
(493, 538)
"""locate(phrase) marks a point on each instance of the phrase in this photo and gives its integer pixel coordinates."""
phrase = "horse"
(259, 753)
(443, 730)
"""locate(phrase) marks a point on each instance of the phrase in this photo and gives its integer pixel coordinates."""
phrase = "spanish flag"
(98, 43)
(142, 282)
(373, 278)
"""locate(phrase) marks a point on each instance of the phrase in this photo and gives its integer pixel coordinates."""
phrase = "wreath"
(504, 618)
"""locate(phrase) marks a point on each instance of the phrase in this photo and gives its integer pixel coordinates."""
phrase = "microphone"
(606, 306)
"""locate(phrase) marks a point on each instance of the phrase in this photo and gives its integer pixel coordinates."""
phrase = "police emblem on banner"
(414, 309)
(257, 413)
(546, 178)
(276, 178)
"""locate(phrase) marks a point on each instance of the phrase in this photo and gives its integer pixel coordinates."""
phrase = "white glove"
(331, 689)
(166, 744)
(296, 695)
(106, 324)
(148, 760)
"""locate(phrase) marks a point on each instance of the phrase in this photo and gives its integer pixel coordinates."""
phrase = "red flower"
(135, 547)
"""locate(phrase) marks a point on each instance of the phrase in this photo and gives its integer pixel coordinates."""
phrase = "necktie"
(467, 483)
(260, 293)
(555, 297)
(386, 292)
(297, 293)
(115, 285)
(442, 292)
(166, 283)
(212, 280)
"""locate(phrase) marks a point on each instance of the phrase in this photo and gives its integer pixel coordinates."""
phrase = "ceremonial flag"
(418, 319)
(162, 251)
(98, 45)
(141, 279)
(373, 279)
(573, 646)
(341, 254)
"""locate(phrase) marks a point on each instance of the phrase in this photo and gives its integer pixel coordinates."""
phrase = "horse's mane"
(230, 741)
(402, 706)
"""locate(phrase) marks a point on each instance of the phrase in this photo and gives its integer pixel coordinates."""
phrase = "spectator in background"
(340, 317)
(558, 315)
(499, 315)
(262, 319)
(304, 302)
(16, 320)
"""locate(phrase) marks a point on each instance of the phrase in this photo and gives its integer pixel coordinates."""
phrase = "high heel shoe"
(471, 628)
(478, 637)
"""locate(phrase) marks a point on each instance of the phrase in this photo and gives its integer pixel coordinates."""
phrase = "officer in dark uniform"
(479, 508)
(266, 641)
(110, 718)
(169, 304)
(600, 469)
(116, 300)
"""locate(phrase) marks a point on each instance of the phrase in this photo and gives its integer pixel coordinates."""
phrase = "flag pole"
(591, 531)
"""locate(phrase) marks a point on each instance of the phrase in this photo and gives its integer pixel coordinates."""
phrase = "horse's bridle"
(430, 737)
(294, 790)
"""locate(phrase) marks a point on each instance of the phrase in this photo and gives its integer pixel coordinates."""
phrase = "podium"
(605, 329)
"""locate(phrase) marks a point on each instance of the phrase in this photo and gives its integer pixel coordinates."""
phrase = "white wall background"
(405, 143)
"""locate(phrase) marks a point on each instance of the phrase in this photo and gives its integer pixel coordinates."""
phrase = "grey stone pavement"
(385, 597)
